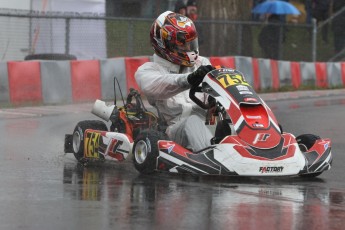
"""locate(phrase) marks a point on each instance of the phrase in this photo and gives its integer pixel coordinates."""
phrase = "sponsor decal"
(326, 146)
(167, 145)
(270, 192)
(242, 88)
(170, 148)
(248, 99)
(245, 92)
(256, 125)
(253, 117)
(268, 169)
(260, 137)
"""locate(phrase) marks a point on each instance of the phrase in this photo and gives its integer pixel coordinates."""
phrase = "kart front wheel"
(145, 150)
(305, 142)
(78, 135)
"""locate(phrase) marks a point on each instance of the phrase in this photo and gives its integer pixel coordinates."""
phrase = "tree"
(225, 39)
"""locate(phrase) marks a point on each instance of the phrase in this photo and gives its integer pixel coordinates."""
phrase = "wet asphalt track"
(41, 188)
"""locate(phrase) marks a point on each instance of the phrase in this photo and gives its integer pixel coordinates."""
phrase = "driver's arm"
(155, 83)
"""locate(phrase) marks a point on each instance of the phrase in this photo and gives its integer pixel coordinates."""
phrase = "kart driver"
(166, 81)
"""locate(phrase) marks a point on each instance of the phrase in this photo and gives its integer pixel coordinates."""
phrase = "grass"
(128, 38)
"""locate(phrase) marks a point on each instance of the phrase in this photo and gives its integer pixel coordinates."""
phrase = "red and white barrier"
(86, 81)
(51, 82)
(24, 82)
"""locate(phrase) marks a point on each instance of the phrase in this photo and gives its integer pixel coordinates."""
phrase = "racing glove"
(195, 78)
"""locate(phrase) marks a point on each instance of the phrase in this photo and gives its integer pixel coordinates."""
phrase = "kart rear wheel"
(305, 142)
(145, 150)
(78, 135)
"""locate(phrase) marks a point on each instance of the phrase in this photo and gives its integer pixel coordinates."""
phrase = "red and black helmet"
(174, 38)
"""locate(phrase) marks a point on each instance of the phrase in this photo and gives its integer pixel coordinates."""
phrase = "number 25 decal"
(228, 80)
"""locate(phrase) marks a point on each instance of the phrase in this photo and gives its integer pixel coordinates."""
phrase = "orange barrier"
(342, 66)
(321, 74)
(86, 80)
(295, 74)
(131, 65)
(223, 61)
(256, 74)
(275, 74)
(24, 80)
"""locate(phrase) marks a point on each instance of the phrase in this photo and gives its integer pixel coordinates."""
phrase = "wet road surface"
(42, 188)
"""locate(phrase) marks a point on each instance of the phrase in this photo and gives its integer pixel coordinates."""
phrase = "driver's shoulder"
(204, 60)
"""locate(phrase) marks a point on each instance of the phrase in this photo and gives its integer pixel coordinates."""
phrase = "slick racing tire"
(305, 142)
(145, 150)
(78, 135)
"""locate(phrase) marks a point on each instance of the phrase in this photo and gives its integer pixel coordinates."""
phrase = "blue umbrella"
(275, 7)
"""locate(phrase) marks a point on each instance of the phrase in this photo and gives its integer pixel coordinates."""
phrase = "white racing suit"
(165, 84)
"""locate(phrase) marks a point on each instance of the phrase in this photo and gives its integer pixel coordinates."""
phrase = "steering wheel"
(197, 101)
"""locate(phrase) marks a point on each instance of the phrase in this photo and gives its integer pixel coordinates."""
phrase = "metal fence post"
(314, 39)
(67, 36)
(30, 51)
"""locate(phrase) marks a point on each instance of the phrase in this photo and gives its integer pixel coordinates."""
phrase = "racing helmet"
(174, 37)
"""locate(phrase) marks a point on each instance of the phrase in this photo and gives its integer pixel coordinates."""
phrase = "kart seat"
(162, 124)
(222, 130)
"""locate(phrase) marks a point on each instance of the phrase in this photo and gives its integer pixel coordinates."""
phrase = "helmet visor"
(189, 46)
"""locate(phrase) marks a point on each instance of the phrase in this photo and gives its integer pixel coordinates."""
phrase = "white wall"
(95, 6)
(87, 37)
(56, 5)
(15, 4)
(12, 46)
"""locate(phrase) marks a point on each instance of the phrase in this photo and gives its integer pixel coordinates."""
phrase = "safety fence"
(91, 36)
(55, 82)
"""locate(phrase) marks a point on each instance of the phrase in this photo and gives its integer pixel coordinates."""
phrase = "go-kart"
(248, 140)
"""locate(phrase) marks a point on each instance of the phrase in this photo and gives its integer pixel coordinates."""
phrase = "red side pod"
(321, 146)
(173, 147)
(113, 146)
